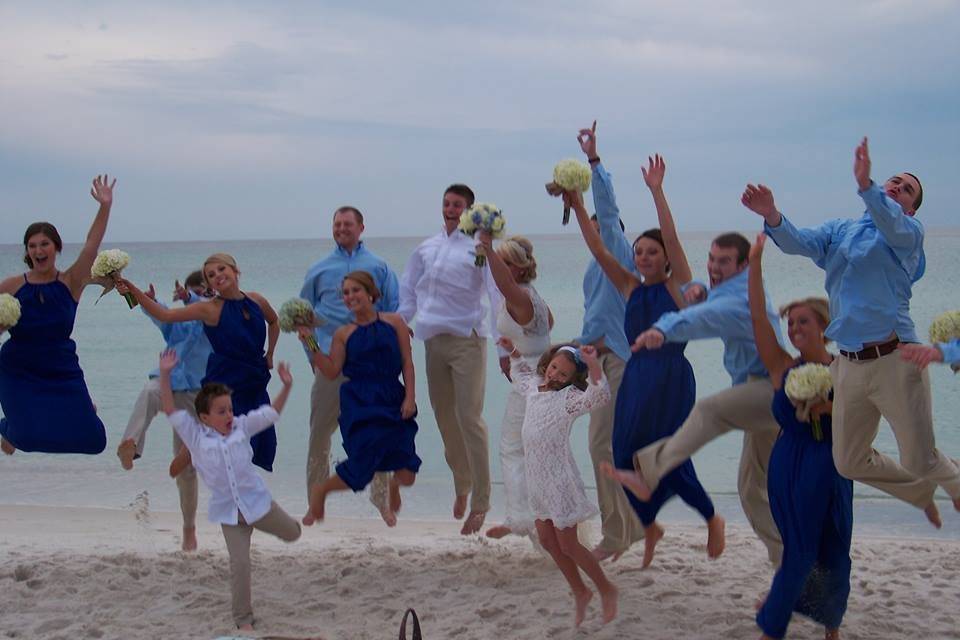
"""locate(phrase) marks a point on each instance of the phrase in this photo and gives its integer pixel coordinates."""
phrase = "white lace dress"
(554, 488)
(531, 340)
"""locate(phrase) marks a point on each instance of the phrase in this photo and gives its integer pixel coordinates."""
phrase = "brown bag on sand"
(416, 626)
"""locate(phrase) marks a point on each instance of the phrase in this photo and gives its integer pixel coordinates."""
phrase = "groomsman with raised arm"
(322, 288)
(603, 316)
(444, 289)
(871, 264)
(725, 314)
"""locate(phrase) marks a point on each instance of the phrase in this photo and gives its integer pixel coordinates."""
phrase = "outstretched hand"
(180, 292)
(168, 360)
(650, 339)
(588, 353)
(861, 164)
(283, 370)
(507, 344)
(695, 294)
(654, 171)
(588, 141)
(573, 199)
(485, 238)
(102, 190)
(920, 354)
(759, 199)
(151, 292)
(756, 249)
(124, 286)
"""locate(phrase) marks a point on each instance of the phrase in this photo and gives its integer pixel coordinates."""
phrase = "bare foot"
(499, 531)
(189, 539)
(956, 506)
(459, 507)
(7, 447)
(716, 536)
(395, 501)
(318, 499)
(608, 600)
(180, 462)
(244, 627)
(602, 554)
(651, 536)
(126, 452)
(308, 520)
(632, 480)
(473, 523)
(389, 516)
(933, 514)
(831, 634)
(581, 600)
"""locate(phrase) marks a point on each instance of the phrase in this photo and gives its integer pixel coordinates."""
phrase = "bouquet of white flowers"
(9, 310)
(807, 385)
(296, 313)
(945, 327)
(106, 268)
(569, 175)
(483, 216)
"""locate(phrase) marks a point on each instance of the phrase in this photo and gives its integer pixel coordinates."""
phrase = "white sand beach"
(101, 573)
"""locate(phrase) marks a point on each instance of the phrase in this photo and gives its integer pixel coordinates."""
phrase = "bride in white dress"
(526, 320)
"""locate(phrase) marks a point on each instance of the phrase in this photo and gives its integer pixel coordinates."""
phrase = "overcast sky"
(256, 120)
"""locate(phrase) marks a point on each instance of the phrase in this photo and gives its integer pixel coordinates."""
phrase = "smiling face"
(453, 206)
(42, 252)
(221, 277)
(356, 297)
(650, 259)
(347, 229)
(220, 417)
(904, 189)
(805, 328)
(560, 372)
(722, 264)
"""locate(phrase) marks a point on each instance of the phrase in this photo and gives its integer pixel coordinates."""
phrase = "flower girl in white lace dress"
(567, 384)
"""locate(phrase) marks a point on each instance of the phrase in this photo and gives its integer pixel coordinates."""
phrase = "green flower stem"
(817, 430)
(131, 300)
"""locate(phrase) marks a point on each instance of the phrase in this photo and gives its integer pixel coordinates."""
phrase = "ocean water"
(117, 347)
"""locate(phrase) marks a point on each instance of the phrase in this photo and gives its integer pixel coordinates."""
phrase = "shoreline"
(118, 573)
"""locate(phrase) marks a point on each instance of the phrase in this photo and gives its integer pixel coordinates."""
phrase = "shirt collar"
(340, 250)
(731, 285)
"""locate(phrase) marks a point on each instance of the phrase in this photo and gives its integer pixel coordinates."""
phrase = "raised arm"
(208, 312)
(280, 400)
(330, 365)
(653, 175)
(79, 272)
(901, 231)
(409, 406)
(516, 297)
(813, 243)
(168, 360)
(774, 357)
(622, 279)
(273, 324)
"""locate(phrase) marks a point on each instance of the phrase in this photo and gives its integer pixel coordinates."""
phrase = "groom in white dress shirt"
(443, 288)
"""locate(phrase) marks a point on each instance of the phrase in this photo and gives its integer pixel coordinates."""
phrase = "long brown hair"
(579, 379)
(46, 229)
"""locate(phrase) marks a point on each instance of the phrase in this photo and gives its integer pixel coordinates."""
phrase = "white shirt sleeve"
(187, 428)
(257, 420)
(408, 286)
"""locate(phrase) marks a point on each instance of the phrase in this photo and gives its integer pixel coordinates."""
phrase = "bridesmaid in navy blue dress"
(376, 409)
(46, 405)
(237, 324)
(658, 388)
(811, 503)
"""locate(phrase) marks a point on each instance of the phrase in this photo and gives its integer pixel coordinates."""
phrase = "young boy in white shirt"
(219, 444)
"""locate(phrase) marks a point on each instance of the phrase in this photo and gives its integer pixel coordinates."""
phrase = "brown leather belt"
(872, 353)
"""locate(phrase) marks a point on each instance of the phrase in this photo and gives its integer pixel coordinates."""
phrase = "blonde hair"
(218, 258)
(819, 306)
(518, 251)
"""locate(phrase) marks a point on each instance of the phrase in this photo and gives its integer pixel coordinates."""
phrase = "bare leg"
(571, 547)
(499, 531)
(180, 462)
(189, 539)
(651, 537)
(632, 480)
(716, 536)
(581, 593)
(127, 451)
(933, 513)
(6, 446)
(459, 507)
(318, 498)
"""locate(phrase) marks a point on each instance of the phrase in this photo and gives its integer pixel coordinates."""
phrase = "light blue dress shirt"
(725, 314)
(192, 347)
(322, 287)
(950, 351)
(871, 265)
(603, 305)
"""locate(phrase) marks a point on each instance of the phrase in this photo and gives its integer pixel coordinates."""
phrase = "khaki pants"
(897, 390)
(324, 415)
(619, 525)
(145, 410)
(456, 379)
(237, 537)
(744, 407)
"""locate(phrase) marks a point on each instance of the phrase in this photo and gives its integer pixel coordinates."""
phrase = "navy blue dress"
(45, 401)
(238, 361)
(655, 397)
(375, 437)
(813, 508)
